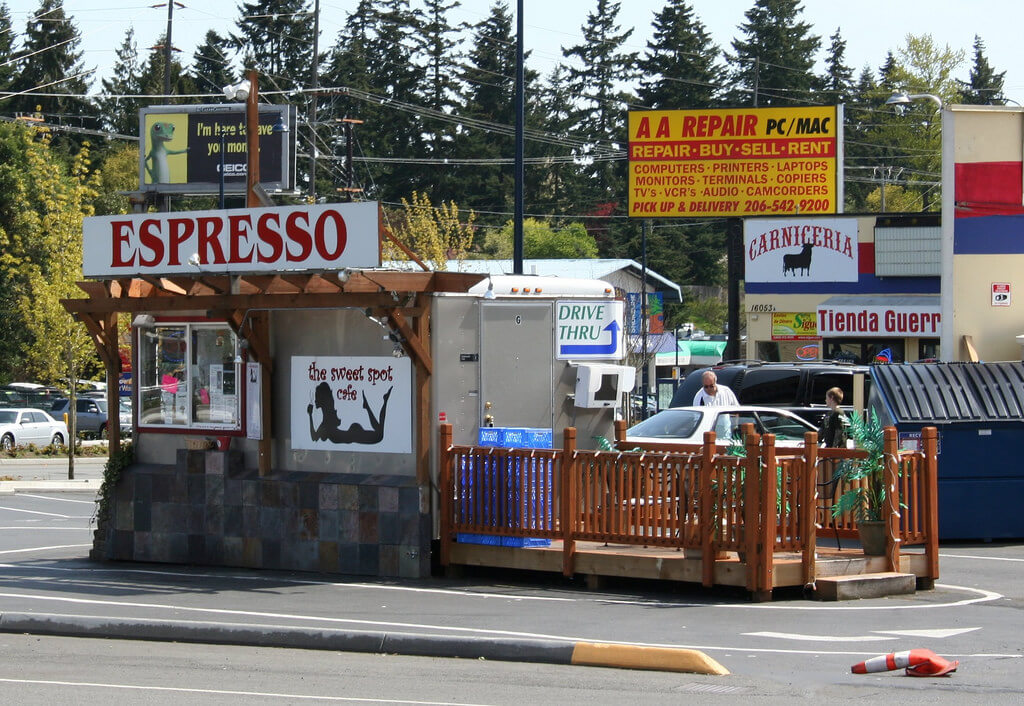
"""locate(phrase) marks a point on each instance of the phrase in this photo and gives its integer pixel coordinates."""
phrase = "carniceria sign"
(589, 330)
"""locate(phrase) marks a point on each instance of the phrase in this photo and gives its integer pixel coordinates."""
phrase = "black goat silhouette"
(798, 261)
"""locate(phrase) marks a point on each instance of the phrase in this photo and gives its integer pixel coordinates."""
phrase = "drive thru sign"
(589, 330)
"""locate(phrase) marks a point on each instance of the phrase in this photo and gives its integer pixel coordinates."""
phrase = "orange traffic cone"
(918, 663)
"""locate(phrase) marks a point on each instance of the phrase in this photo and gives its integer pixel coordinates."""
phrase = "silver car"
(688, 424)
(24, 426)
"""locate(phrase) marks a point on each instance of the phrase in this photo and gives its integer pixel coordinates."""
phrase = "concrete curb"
(408, 644)
(9, 487)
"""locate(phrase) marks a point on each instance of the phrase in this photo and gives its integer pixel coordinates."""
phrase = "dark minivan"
(797, 387)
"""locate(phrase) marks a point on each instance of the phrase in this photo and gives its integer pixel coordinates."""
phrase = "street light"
(901, 99)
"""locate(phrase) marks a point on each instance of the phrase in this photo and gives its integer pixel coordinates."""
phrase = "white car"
(688, 424)
(22, 426)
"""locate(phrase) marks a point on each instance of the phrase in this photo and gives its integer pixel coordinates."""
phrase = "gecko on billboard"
(735, 162)
(189, 149)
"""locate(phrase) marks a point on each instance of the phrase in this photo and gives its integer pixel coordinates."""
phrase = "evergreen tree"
(680, 69)
(861, 156)
(275, 37)
(489, 77)
(7, 53)
(118, 112)
(396, 75)
(838, 79)
(601, 66)
(211, 64)
(443, 88)
(50, 62)
(151, 77)
(773, 64)
(985, 86)
(346, 73)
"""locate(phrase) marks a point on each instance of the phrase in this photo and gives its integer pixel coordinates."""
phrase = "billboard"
(735, 162)
(187, 149)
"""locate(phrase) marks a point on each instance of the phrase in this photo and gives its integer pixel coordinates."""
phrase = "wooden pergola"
(402, 298)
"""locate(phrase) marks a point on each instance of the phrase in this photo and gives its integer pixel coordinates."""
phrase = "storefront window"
(865, 351)
(188, 377)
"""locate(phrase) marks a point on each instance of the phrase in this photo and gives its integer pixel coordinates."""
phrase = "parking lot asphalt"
(52, 589)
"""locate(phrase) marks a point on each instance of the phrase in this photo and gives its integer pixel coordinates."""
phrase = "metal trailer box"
(496, 363)
(978, 409)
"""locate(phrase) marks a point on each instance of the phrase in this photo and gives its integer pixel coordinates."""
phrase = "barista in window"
(330, 426)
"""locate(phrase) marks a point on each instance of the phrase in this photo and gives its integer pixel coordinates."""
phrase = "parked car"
(23, 426)
(91, 419)
(688, 424)
(797, 387)
(25, 394)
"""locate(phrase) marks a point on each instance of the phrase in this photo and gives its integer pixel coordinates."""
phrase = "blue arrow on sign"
(596, 348)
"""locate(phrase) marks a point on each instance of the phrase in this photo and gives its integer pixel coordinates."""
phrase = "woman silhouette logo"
(330, 425)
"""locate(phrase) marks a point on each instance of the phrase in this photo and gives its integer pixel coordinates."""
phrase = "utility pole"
(517, 217)
(349, 187)
(312, 109)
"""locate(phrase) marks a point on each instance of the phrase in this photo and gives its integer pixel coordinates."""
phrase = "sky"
(870, 27)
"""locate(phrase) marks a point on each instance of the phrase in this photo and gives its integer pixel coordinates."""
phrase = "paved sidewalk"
(43, 473)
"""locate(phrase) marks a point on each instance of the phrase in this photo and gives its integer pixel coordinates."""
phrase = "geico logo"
(234, 168)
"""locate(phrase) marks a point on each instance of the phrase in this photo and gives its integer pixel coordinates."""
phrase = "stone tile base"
(208, 510)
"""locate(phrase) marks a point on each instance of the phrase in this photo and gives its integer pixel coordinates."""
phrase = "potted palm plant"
(864, 479)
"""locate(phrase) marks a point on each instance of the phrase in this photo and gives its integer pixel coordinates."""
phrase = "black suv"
(797, 387)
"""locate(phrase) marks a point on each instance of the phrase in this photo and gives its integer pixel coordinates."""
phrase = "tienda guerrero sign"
(735, 162)
(920, 320)
(284, 238)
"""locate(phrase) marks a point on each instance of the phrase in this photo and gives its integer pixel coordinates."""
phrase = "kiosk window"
(187, 377)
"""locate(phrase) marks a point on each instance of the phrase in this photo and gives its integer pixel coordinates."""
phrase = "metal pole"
(348, 161)
(222, 148)
(168, 49)
(517, 218)
(643, 313)
(313, 106)
(252, 140)
(734, 238)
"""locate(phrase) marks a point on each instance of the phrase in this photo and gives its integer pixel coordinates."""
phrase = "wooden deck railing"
(681, 496)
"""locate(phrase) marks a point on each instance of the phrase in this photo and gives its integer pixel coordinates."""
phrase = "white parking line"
(975, 556)
(230, 692)
(39, 549)
(51, 497)
(47, 514)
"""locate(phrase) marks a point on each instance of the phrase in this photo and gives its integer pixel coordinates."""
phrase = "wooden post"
(705, 511)
(809, 507)
(112, 363)
(751, 510)
(620, 433)
(423, 420)
(445, 483)
(930, 437)
(891, 508)
(569, 500)
(769, 517)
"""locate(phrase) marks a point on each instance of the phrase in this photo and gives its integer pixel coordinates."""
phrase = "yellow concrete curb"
(666, 659)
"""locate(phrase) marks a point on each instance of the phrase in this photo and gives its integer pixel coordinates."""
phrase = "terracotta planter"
(872, 537)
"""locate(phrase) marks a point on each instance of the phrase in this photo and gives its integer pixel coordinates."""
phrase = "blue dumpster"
(978, 409)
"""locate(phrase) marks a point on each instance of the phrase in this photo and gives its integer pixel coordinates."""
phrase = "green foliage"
(542, 241)
(435, 234)
(112, 471)
(681, 68)
(772, 63)
(985, 86)
(867, 500)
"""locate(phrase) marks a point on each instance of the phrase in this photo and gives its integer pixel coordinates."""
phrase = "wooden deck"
(594, 561)
(692, 513)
